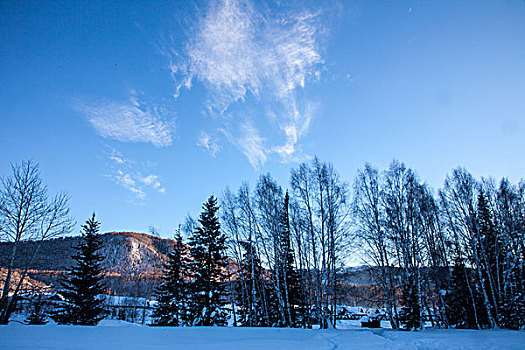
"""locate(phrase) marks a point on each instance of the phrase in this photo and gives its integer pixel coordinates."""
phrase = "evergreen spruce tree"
(37, 315)
(290, 280)
(253, 311)
(208, 290)
(172, 292)
(83, 288)
(488, 251)
(409, 314)
(460, 306)
(512, 232)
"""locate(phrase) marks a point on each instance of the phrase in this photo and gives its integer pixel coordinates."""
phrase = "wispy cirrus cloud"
(243, 50)
(129, 183)
(128, 174)
(128, 121)
(295, 128)
(208, 143)
(248, 140)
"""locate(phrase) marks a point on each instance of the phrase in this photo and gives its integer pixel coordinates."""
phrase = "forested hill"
(124, 252)
(133, 263)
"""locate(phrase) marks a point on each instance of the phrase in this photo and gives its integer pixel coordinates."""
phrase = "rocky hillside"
(133, 261)
(124, 252)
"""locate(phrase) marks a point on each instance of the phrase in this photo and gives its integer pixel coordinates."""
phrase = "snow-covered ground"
(115, 335)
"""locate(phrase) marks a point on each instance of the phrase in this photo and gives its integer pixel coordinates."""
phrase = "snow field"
(121, 335)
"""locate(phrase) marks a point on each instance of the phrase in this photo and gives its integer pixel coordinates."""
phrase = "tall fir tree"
(83, 288)
(409, 314)
(253, 310)
(512, 235)
(38, 314)
(491, 251)
(172, 294)
(208, 290)
(462, 297)
(290, 279)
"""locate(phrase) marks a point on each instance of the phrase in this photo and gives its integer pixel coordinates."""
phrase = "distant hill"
(133, 261)
(358, 275)
(124, 252)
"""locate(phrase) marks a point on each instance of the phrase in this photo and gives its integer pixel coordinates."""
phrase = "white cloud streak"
(239, 50)
(126, 181)
(208, 143)
(296, 127)
(248, 140)
(252, 145)
(126, 175)
(130, 121)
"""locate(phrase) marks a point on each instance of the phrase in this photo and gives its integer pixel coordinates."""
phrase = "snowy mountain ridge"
(124, 252)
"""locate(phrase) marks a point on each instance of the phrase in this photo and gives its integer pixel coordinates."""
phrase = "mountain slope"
(133, 264)
(133, 261)
(124, 252)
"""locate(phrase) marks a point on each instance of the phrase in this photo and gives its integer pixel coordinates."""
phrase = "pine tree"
(208, 290)
(290, 280)
(512, 230)
(38, 314)
(83, 286)
(253, 311)
(489, 257)
(172, 292)
(459, 299)
(409, 314)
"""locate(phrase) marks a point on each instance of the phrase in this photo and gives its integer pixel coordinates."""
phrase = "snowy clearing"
(120, 335)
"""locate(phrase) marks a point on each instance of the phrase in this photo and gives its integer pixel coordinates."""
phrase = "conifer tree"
(38, 314)
(487, 258)
(207, 247)
(290, 279)
(172, 292)
(510, 212)
(461, 299)
(492, 246)
(83, 287)
(253, 307)
(409, 315)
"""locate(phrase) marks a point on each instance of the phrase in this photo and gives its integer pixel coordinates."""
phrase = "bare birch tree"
(27, 213)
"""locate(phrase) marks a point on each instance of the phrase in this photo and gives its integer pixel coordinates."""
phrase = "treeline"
(284, 250)
(461, 250)
(454, 258)
(267, 256)
(288, 246)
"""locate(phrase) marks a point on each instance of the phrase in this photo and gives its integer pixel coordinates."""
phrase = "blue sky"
(141, 110)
